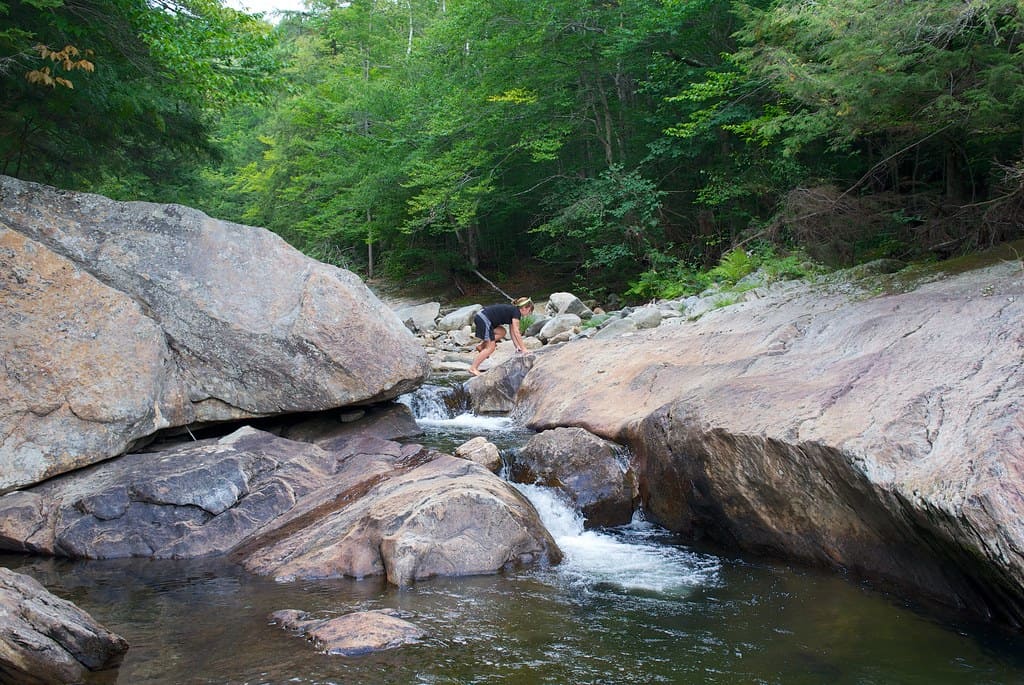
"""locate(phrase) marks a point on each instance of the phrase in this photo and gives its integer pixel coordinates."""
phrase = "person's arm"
(517, 337)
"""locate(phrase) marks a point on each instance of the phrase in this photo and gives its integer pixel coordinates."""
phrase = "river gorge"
(804, 482)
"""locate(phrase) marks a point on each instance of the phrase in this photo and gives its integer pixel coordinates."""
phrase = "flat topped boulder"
(123, 318)
(354, 634)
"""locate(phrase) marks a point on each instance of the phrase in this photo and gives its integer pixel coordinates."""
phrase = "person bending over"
(488, 318)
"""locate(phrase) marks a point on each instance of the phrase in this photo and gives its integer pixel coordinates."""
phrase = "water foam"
(626, 558)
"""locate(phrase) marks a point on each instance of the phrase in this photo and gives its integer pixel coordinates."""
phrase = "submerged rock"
(353, 634)
(481, 451)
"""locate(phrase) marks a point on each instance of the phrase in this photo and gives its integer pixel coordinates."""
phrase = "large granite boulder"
(359, 506)
(123, 318)
(883, 435)
(45, 640)
(445, 516)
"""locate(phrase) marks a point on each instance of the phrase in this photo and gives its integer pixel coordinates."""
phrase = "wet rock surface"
(357, 506)
(353, 634)
(594, 473)
(45, 640)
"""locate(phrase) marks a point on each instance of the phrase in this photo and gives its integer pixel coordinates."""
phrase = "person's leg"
(488, 349)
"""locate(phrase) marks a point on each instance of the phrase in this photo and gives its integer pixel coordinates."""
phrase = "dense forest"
(629, 145)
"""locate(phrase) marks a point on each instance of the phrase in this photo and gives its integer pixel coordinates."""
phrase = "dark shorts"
(484, 329)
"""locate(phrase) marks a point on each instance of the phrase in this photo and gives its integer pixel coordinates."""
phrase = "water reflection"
(207, 622)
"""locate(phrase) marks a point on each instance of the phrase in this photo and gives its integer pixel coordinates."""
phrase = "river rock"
(439, 516)
(558, 325)
(646, 317)
(189, 501)
(481, 451)
(353, 634)
(566, 303)
(495, 391)
(122, 318)
(420, 318)
(535, 327)
(45, 640)
(594, 473)
(463, 316)
(881, 435)
(364, 506)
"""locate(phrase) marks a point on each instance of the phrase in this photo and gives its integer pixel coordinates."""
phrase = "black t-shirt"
(501, 314)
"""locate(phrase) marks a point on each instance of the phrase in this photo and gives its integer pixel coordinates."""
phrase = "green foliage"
(608, 225)
(872, 96)
(669, 282)
(126, 110)
(626, 144)
(525, 323)
(785, 267)
(676, 280)
(734, 265)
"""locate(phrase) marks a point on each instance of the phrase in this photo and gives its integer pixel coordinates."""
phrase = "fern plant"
(733, 266)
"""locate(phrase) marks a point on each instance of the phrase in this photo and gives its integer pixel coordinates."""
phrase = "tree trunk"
(468, 239)
(369, 246)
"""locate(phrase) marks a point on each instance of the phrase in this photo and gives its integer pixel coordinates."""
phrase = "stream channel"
(628, 605)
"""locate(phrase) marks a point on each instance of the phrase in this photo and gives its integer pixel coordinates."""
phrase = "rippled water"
(627, 605)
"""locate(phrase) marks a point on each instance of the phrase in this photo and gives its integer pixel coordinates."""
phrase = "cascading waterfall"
(632, 558)
(435, 402)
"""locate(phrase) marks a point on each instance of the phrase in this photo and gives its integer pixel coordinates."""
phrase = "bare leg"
(488, 348)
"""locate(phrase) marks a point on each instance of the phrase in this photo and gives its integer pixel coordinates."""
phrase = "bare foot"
(476, 372)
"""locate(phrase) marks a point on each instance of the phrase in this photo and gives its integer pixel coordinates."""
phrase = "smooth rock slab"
(878, 435)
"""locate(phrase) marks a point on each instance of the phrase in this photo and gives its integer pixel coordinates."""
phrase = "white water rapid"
(634, 558)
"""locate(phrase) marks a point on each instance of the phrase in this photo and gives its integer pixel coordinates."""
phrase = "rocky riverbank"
(870, 424)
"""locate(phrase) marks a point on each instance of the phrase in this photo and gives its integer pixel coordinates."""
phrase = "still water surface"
(628, 605)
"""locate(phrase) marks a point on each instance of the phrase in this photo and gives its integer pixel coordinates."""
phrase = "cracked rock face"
(121, 319)
(882, 435)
